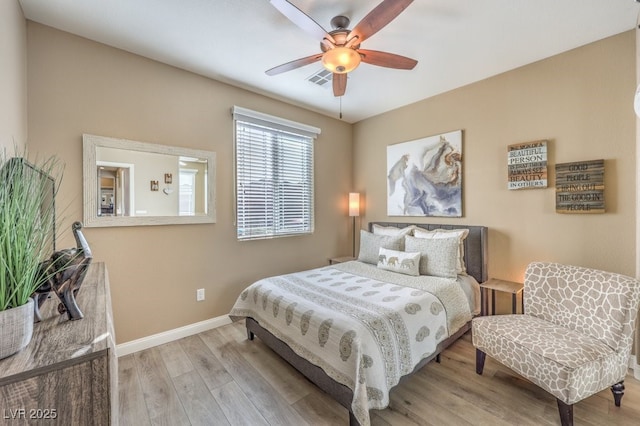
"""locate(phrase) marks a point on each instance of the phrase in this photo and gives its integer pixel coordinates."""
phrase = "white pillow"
(399, 261)
(438, 255)
(392, 230)
(370, 245)
(460, 234)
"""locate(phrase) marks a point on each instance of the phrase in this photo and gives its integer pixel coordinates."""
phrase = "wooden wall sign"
(580, 187)
(527, 165)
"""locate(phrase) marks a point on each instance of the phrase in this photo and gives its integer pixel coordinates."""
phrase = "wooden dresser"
(68, 374)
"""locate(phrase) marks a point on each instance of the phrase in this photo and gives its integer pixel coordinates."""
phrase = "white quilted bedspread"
(363, 326)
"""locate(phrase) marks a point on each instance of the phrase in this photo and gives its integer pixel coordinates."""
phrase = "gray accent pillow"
(447, 233)
(370, 245)
(439, 257)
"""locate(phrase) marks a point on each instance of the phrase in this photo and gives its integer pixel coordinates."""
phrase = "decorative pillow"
(370, 245)
(399, 261)
(438, 255)
(461, 234)
(392, 230)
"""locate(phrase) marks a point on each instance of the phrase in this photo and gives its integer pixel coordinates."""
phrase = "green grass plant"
(27, 226)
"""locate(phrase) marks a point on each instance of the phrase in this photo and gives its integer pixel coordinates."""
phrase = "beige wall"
(582, 102)
(13, 77)
(77, 86)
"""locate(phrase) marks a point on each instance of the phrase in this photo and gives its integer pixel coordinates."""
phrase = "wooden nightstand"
(493, 285)
(334, 260)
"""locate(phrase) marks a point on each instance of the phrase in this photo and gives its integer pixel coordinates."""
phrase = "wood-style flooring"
(220, 378)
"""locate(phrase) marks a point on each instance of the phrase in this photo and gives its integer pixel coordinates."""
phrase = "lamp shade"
(354, 204)
(341, 60)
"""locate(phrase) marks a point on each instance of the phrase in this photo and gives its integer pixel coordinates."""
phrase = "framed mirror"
(129, 183)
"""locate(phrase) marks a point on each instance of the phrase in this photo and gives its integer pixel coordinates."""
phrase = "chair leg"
(566, 413)
(618, 392)
(480, 357)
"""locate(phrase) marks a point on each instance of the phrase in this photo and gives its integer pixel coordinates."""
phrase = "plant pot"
(16, 328)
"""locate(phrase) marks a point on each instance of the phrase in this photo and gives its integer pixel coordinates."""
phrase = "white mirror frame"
(90, 143)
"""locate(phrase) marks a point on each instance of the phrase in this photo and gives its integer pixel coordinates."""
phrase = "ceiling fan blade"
(339, 84)
(294, 64)
(389, 60)
(379, 17)
(301, 19)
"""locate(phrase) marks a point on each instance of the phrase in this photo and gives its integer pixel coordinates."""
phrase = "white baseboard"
(170, 335)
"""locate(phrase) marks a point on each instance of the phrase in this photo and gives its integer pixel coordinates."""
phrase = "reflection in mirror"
(115, 197)
(121, 194)
(128, 183)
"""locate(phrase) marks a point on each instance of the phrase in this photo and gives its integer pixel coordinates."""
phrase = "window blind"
(274, 179)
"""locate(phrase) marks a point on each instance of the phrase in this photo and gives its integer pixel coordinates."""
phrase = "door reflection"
(115, 194)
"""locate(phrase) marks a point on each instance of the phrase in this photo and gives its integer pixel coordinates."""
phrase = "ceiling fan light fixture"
(341, 60)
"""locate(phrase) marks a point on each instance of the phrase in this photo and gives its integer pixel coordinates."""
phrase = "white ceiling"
(456, 42)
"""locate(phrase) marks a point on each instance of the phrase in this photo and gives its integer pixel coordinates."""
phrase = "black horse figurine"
(71, 267)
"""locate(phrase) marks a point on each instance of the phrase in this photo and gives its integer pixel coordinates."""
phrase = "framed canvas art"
(527, 165)
(424, 176)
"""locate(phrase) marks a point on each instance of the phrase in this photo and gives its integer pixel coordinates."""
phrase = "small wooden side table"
(334, 260)
(493, 285)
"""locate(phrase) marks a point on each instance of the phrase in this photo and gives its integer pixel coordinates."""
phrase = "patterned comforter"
(365, 327)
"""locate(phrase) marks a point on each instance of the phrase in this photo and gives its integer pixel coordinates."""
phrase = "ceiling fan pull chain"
(340, 107)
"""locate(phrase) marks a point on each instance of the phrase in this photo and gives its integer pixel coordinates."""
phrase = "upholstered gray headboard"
(475, 245)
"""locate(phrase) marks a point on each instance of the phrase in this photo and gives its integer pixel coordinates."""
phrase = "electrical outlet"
(200, 295)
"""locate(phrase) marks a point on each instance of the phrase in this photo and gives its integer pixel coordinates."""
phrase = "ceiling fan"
(341, 51)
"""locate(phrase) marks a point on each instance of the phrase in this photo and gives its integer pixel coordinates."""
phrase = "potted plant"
(27, 232)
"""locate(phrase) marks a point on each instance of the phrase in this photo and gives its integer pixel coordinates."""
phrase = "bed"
(356, 329)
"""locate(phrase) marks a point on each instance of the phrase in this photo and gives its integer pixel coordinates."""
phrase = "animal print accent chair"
(575, 337)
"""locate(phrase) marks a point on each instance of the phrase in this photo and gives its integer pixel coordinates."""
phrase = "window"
(187, 193)
(274, 176)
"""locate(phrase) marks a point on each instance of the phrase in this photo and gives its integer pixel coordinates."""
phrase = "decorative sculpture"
(70, 266)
